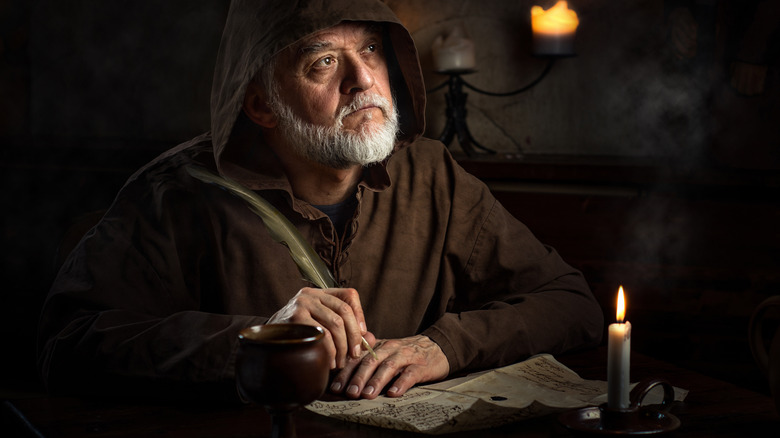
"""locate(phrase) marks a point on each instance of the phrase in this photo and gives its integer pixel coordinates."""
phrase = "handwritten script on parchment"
(538, 386)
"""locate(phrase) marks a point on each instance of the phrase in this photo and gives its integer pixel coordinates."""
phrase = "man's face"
(332, 97)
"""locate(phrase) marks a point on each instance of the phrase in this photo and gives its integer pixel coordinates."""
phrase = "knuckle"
(367, 360)
(344, 309)
(390, 364)
(409, 373)
(310, 292)
(353, 362)
(391, 344)
(337, 322)
(302, 300)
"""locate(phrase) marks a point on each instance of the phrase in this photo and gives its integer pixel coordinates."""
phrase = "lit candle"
(619, 358)
(554, 29)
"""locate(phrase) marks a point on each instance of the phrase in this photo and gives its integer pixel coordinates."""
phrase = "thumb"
(370, 338)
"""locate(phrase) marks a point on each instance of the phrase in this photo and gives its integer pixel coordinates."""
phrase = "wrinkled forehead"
(325, 37)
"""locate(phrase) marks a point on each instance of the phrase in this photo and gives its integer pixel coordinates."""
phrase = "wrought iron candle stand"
(634, 420)
(456, 107)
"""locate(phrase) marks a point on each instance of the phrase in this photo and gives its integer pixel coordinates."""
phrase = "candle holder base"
(645, 421)
(635, 420)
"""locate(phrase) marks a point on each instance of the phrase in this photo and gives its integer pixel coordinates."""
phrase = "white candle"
(619, 358)
(456, 52)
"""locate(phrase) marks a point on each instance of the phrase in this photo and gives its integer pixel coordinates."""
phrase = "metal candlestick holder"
(456, 104)
(634, 420)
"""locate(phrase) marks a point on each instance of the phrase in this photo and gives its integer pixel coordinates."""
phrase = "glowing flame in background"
(556, 20)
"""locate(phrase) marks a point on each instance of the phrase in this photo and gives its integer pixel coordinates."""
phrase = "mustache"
(362, 101)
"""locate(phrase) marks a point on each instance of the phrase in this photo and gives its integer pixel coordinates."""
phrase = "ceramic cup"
(282, 367)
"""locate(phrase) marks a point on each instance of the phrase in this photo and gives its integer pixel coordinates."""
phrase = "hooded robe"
(152, 298)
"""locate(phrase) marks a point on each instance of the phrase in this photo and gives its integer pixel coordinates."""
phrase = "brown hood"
(256, 30)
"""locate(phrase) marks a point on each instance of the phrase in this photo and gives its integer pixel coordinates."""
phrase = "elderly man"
(317, 107)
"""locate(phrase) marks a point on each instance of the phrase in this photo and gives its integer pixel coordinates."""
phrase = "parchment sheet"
(538, 386)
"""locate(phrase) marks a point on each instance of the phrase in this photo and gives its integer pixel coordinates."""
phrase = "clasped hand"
(404, 362)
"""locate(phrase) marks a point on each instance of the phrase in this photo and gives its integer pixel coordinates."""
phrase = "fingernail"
(335, 387)
(356, 351)
(363, 327)
(393, 389)
(352, 390)
(368, 390)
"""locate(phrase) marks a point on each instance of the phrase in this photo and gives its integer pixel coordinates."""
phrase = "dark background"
(91, 90)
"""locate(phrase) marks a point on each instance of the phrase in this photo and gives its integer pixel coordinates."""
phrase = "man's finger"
(410, 376)
(382, 375)
(339, 383)
(335, 324)
(351, 297)
(354, 320)
(354, 377)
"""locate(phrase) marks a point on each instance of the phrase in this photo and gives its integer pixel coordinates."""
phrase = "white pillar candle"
(456, 52)
(619, 358)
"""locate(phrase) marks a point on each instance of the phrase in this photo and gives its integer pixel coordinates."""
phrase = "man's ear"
(256, 108)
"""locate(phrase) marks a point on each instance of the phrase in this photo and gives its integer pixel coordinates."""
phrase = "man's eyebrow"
(373, 30)
(313, 47)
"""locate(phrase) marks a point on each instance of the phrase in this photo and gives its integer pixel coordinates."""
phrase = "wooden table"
(712, 409)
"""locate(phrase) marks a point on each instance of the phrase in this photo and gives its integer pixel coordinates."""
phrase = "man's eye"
(372, 47)
(326, 62)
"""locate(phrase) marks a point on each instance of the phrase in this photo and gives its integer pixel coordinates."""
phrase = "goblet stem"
(282, 425)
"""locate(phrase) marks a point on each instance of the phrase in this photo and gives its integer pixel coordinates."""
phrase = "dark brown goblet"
(282, 367)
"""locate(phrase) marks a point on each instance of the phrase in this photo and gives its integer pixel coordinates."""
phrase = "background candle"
(619, 358)
(554, 29)
(456, 52)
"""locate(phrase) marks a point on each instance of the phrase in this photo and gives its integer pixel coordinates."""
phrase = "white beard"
(333, 147)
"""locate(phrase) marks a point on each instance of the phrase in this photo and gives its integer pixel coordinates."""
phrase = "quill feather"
(281, 230)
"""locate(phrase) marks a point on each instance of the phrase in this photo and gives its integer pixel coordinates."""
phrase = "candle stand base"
(456, 115)
(635, 420)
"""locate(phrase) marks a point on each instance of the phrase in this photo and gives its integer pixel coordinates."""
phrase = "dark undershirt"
(340, 213)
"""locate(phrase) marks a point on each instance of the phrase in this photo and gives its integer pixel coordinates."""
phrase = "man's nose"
(358, 76)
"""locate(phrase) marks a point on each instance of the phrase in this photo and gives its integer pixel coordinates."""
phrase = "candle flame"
(556, 20)
(621, 306)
